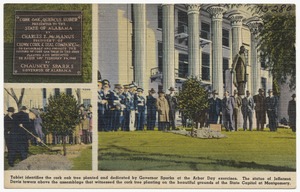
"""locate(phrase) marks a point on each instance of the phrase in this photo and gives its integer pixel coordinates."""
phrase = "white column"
(255, 64)
(236, 23)
(217, 56)
(168, 46)
(193, 40)
(139, 12)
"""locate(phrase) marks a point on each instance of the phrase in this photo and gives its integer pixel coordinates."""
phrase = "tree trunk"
(14, 96)
(64, 146)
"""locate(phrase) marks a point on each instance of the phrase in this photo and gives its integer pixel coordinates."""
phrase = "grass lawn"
(79, 155)
(84, 160)
(240, 151)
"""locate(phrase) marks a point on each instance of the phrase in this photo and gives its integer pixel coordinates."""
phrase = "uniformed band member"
(215, 108)
(101, 107)
(227, 111)
(163, 111)
(115, 107)
(247, 110)
(8, 130)
(236, 110)
(140, 104)
(271, 106)
(172, 101)
(106, 97)
(132, 91)
(128, 102)
(260, 109)
(292, 113)
(151, 110)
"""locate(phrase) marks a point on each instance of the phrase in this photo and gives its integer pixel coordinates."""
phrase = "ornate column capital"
(193, 8)
(236, 20)
(216, 12)
(254, 25)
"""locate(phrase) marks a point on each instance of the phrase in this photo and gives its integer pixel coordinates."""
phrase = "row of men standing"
(227, 110)
(125, 107)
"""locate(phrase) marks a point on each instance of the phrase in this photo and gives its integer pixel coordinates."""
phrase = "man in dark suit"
(247, 110)
(236, 110)
(271, 106)
(172, 101)
(151, 110)
(140, 109)
(19, 135)
(215, 108)
(227, 111)
(292, 113)
(260, 110)
(8, 128)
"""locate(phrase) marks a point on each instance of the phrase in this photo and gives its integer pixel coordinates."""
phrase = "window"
(183, 66)
(264, 84)
(86, 102)
(68, 91)
(205, 67)
(246, 57)
(160, 56)
(225, 37)
(225, 67)
(44, 93)
(56, 92)
(205, 31)
(182, 19)
(159, 17)
(262, 60)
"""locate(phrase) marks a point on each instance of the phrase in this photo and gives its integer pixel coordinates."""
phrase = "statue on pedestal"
(239, 71)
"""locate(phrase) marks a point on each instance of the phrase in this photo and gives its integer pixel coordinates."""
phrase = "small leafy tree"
(61, 116)
(193, 99)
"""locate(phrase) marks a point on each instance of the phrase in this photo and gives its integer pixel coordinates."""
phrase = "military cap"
(261, 90)
(11, 109)
(118, 86)
(132, 85)
(105, 81)
(161, 91)
(140, 89)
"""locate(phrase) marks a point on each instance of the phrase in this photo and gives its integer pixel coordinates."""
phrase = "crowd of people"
(125, 108)
(25, 128)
